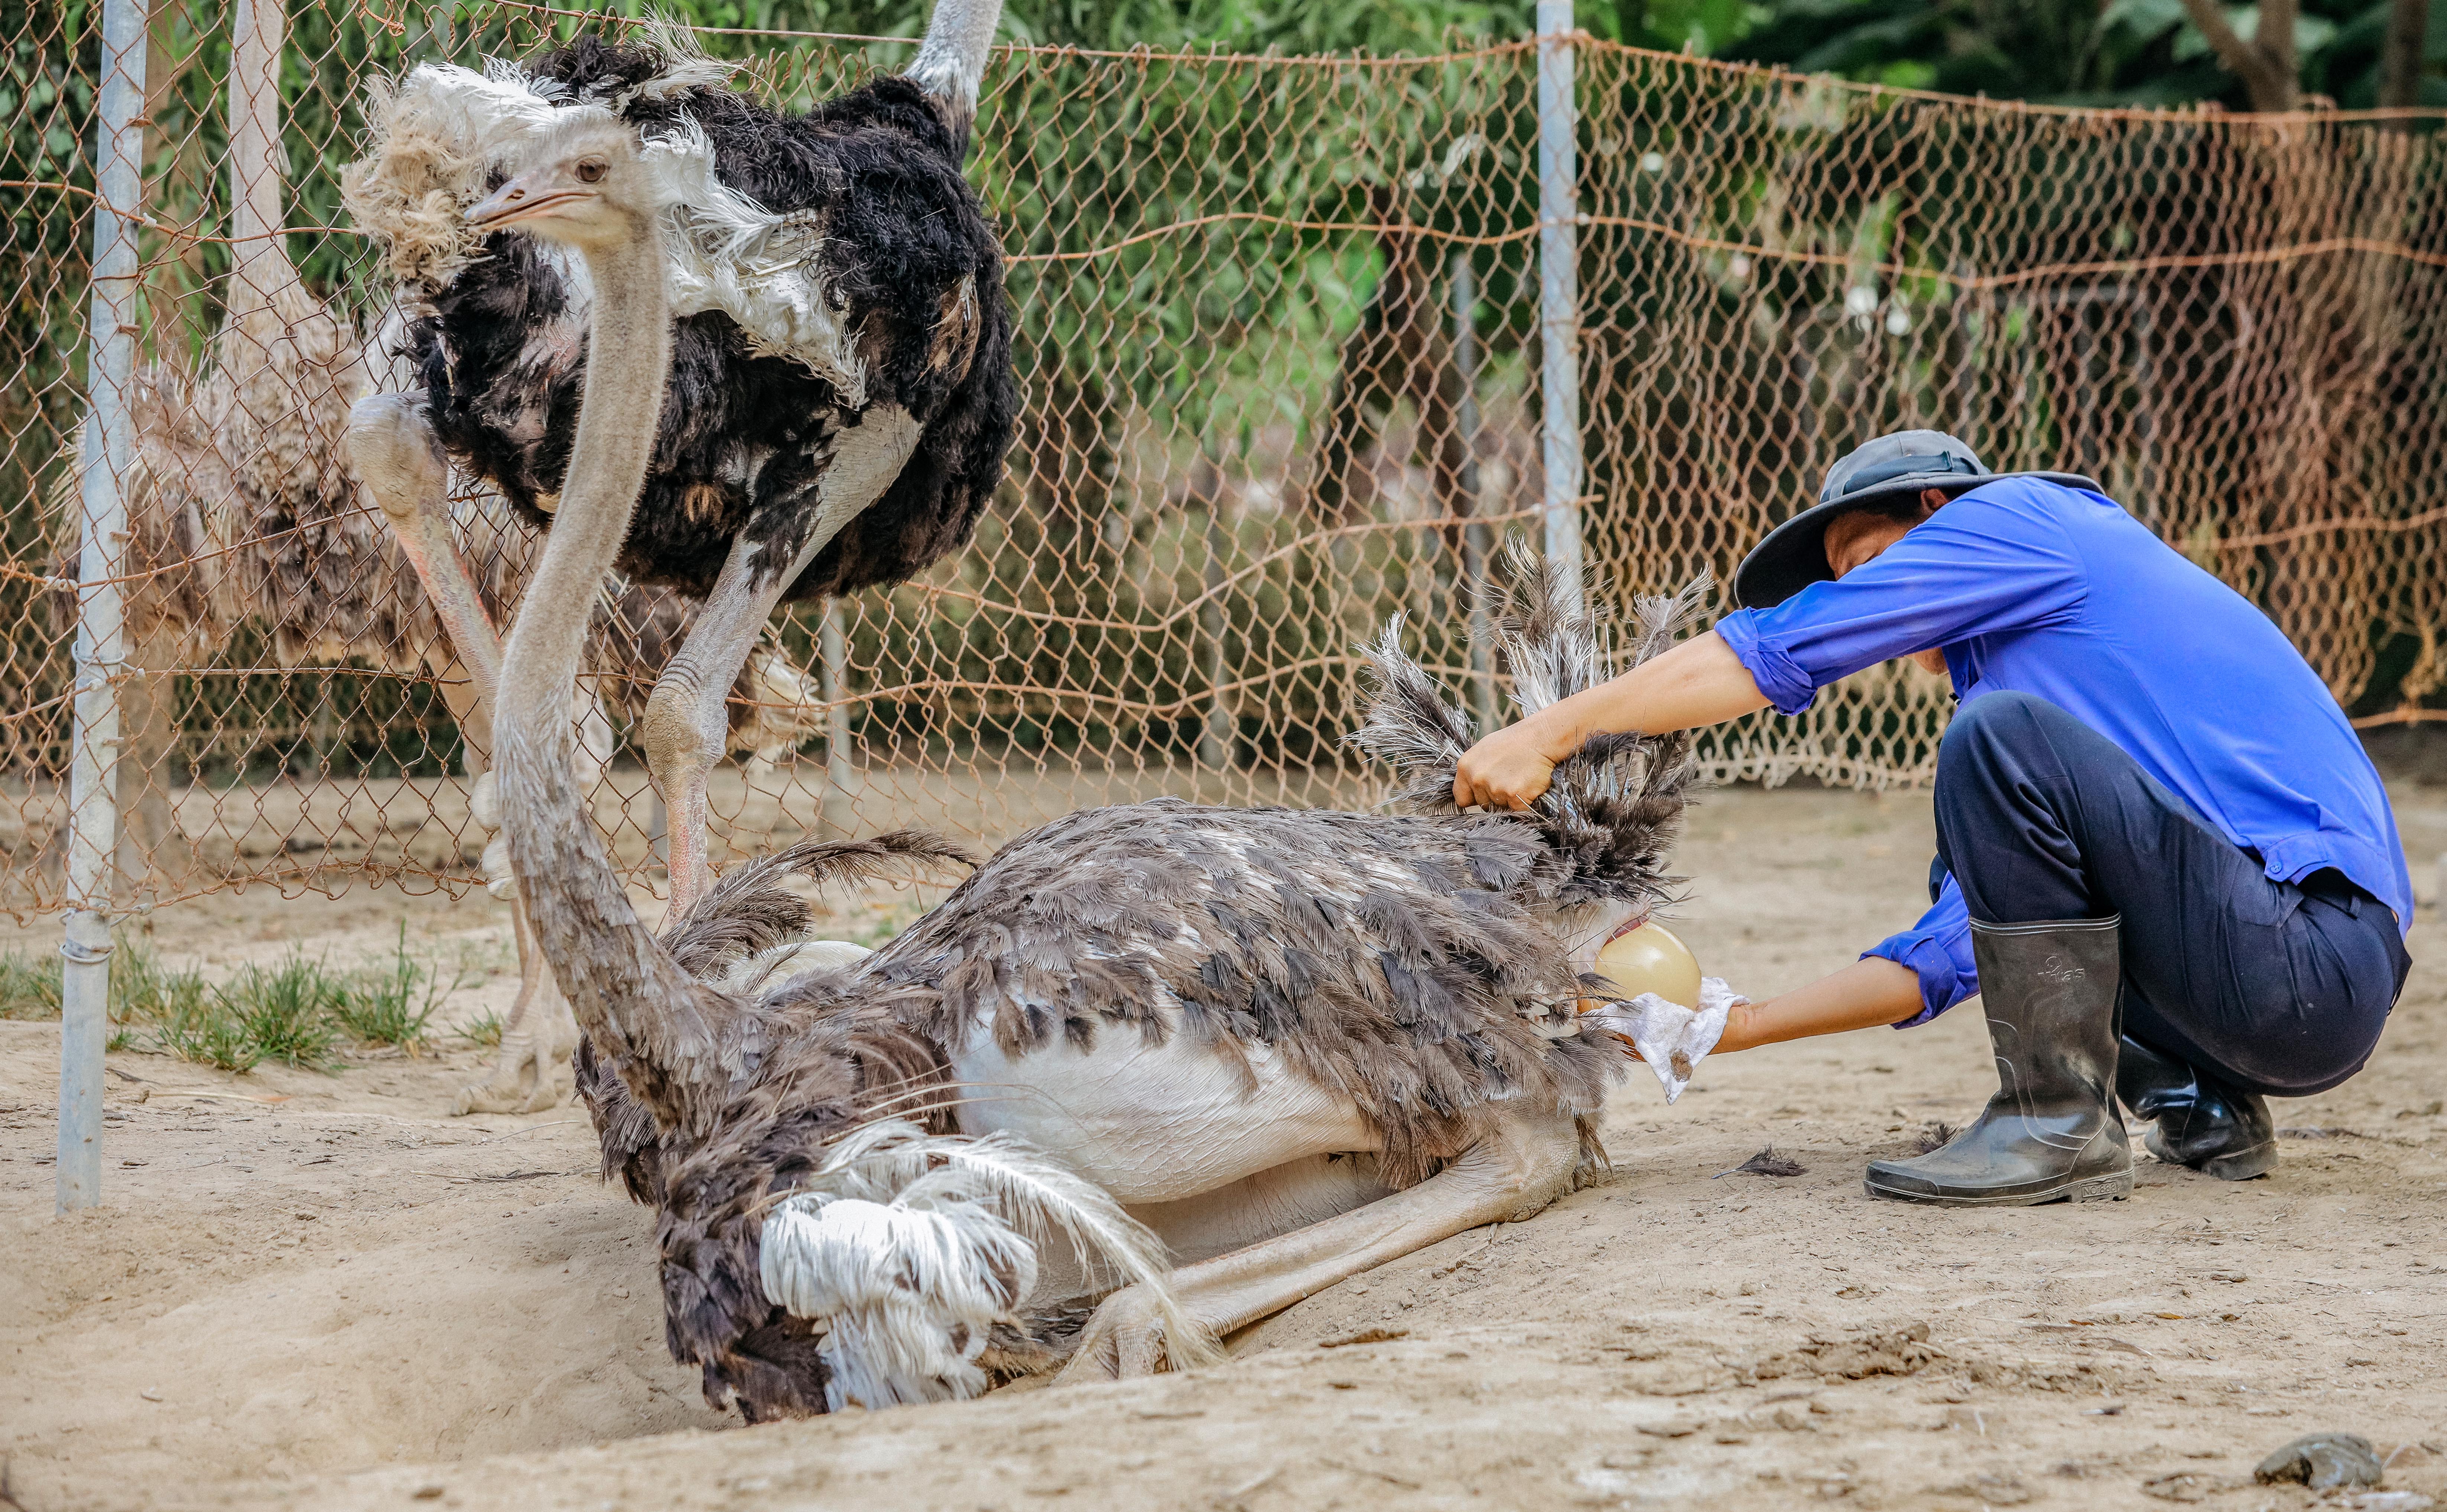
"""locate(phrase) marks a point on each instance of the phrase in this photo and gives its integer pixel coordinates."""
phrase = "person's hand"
(1508, 769)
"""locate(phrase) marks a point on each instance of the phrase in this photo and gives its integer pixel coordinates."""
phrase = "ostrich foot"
(1126, 1338)
(532, 1075)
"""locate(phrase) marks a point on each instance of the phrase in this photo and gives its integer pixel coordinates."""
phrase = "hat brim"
(1793, 556)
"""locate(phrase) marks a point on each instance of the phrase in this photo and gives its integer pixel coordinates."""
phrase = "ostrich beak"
(525, 198)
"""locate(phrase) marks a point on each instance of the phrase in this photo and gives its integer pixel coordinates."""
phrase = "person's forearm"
(1698, 682)
(1863, 996)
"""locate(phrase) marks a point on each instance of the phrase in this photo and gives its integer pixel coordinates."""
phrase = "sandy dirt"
(318, 1291)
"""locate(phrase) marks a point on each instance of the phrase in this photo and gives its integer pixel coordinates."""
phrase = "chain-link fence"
(1278, 332)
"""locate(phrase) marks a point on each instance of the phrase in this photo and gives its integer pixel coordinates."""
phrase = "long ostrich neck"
(629, 994)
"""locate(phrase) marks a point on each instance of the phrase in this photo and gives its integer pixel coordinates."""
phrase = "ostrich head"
(585, 183)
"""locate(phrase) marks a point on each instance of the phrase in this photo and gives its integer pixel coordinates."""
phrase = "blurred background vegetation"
(1154, 375)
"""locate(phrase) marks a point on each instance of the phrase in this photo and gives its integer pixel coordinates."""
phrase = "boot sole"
(2245, 1166)
(2111, 1186)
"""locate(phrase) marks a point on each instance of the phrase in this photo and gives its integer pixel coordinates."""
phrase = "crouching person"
(2165, 863)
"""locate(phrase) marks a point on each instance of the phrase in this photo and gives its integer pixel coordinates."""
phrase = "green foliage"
(1220, 331)
(483, 1031)
(296, 1011)
(287, 1012)
(30, 985)
(392, 1002)
(210, 1033)
(142, 990)
(2142, 53)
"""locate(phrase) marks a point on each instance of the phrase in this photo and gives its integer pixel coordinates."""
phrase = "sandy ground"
(318, 1290)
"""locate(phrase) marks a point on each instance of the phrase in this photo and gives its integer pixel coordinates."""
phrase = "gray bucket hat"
(1893, 468)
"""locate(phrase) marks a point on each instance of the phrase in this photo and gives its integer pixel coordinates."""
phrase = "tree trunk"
(2265, 63)
(2400, 66)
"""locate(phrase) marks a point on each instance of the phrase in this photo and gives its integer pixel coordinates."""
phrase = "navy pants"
(2278, 988)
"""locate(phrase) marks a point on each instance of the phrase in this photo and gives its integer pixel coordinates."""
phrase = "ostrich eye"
(591, 170)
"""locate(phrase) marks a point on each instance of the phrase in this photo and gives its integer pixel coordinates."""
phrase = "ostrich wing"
(1388, 959)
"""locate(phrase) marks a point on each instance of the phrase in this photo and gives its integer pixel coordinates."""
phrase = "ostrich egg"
(1650, 959)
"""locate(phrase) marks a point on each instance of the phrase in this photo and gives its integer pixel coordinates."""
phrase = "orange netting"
(1278, 331)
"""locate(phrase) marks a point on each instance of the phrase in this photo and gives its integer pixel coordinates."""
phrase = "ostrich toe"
(1123, 1340)
(533, 1072)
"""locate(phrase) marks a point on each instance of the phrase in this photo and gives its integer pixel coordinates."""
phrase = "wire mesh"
(1278, 331)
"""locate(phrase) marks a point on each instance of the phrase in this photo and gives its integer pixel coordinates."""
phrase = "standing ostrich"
(247, 460)
(841, 396)
(1292, 1044)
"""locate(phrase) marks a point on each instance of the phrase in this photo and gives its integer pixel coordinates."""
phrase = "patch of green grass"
(392, 1003)
(209, 1033)
(483, 1031)
(30, 985)
(296, 1011)
(287, 1012)
(145, 995)
(142, 990)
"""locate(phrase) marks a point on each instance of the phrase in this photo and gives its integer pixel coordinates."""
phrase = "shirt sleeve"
(1979, 566)
(1938, 950)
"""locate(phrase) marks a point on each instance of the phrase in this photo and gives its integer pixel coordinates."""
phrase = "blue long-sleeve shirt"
(2055, 592)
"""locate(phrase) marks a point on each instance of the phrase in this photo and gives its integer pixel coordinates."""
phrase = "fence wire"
(1278, 331)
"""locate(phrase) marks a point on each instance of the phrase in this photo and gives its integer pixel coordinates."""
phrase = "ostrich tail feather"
(1615, 806)
(921, 1242)
(1412, 725)
(1554, 642)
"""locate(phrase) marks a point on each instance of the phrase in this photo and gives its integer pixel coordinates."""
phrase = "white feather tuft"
(434, 139)
(911, 1291)
(437, 136)
(911, 1245)
(730, 253)
(686, 67)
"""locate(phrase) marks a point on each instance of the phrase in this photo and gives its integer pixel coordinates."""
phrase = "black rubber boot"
(2197, 1120)
(2051, 1134)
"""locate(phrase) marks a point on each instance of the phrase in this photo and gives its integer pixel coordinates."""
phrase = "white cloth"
(1671, 1038)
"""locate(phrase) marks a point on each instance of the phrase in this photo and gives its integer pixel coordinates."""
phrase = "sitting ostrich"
(1284, 1046)
(247, 460)
(841, 396)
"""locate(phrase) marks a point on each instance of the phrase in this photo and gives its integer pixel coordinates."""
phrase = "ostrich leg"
(1524, 1162)
(402, 464)
(686, 726)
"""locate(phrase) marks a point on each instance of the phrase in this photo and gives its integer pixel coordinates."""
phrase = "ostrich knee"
(396, 455)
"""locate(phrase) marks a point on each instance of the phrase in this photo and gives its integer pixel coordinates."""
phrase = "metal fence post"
(1476, 539)
(1559, 289)
(93, 761)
